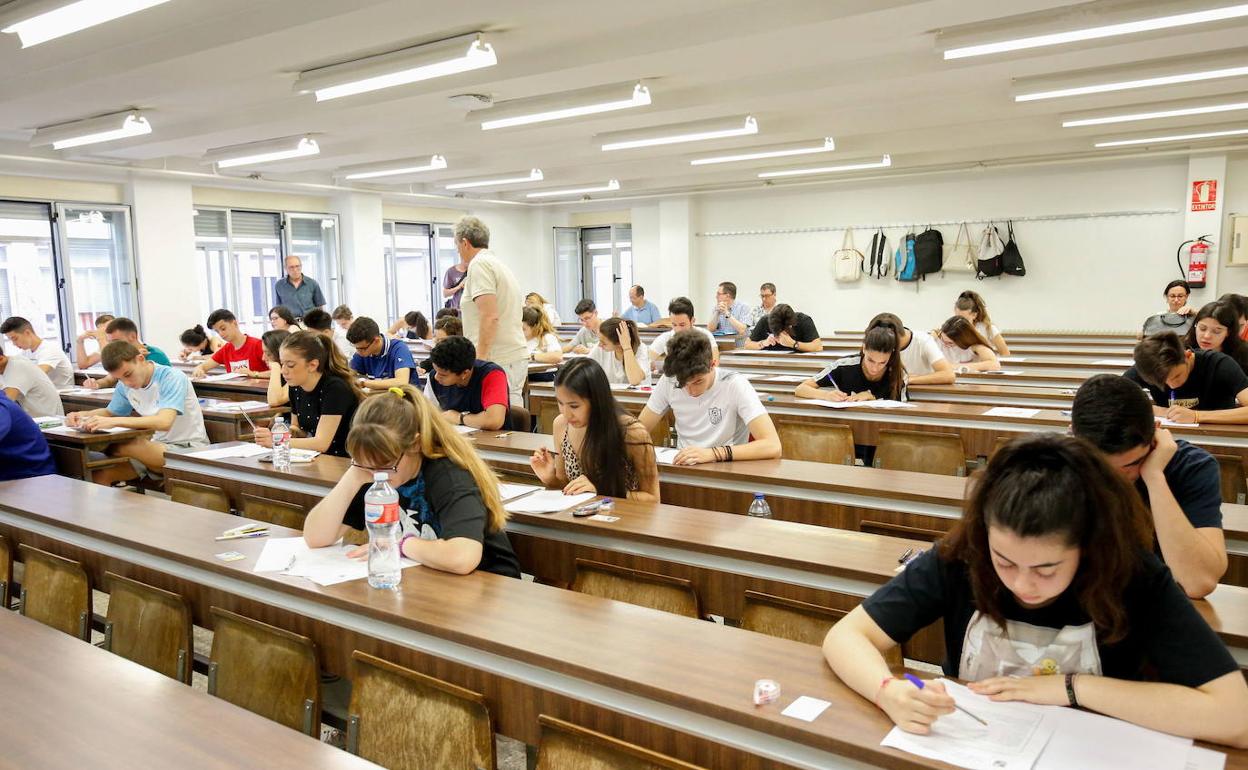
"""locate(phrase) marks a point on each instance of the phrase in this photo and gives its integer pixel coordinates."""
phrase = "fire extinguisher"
(1197, 261)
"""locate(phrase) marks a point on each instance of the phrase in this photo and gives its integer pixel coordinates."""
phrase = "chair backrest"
(149, 626)
(1234, 484)
(815, 442)
(199, 495)
(565, 746)
(266, 670)
(401, 719)
(660, 592)
(56, 592)
(274, 511)
(661, 434)
(547, 411)
(906, 450)
(6, 571)
(795, 620)
(518, 419)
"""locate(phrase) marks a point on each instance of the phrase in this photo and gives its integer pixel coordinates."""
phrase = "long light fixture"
(1173, 138)
(1102, 31)
(1147, 74)
(255, 153)
(397, 68)
(883, 162)
(74, 17)
(589, 101)
(775, 151)
(1159, 111)
(718, 128)
(610, 186)
(106, 128)
(513, 177)
(394, 168)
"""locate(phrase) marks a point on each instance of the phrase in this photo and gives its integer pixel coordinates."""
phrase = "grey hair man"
(297, 291)
(491, 306)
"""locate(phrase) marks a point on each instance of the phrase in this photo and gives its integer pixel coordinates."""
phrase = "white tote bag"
(961, 256)
(847, 261)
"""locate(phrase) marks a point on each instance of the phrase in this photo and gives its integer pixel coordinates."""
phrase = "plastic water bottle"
(281, 444)
(759, 507)
(381, 516)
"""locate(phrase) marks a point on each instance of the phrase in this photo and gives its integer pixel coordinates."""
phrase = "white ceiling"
(219, 72)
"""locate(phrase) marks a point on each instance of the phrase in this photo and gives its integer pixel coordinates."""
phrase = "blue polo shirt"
(299, 300)
(646, 314)
(394, 356)
(23, 449)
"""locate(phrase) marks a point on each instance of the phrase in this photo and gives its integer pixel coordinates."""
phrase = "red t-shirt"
(494, 390)
(249, 356)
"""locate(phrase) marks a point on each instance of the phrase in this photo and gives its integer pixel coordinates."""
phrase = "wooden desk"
(72, 450)
(73, 705)
(222, 420)
(990, 394)
(842, 347)
(798, 362)
(1045, 337)
(228, 390)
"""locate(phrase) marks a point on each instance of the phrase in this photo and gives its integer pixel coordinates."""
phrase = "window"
(314, 239)
(417, 256)
(96, 251)
(594, 263)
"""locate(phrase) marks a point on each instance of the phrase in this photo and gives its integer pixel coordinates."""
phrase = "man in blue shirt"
(383, 361)
(297, 291)
(640, 311)
(729, 316)
(23, 449)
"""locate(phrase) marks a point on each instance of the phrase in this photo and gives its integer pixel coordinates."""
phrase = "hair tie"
(398, 392)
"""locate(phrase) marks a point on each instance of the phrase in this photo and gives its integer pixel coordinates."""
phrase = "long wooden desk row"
(673, 684)
(813, 362)
(222, 420)
(989, 393)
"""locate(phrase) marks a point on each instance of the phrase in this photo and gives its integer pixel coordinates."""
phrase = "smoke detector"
(470, 102)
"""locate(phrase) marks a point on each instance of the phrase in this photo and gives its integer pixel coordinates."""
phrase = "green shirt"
(156, 355)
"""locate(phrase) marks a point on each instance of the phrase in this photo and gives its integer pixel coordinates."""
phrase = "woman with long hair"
(533, 299)
(282, 319)
(964, 347)
(1215, 328)
(197, 344)
(620, 353)
(602, 448)
(323, 394)
(540, 337)
(452, 515)
(1051, 594)
(278, 393)
(874, 372)
(972, 307)
(413, 326)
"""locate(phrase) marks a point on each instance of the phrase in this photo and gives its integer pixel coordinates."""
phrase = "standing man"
(297, 291)
(641, 311)
(729, 315)
(491, 306)
(767, 295)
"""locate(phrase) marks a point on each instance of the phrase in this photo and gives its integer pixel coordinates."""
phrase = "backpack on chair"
(847, 262)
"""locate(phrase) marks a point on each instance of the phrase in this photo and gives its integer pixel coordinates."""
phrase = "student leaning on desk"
(1050, 594)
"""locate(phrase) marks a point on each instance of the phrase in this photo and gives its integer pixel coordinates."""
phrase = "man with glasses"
(729, 315)
(767, 294)
(383, 362)
(297, 291)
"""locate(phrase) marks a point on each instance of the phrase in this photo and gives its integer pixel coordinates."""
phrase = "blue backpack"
(904, 262)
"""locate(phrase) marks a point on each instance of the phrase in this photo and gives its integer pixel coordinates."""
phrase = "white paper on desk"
(240, 406)
(828, 404)
(793, 378)
(547, 501)
(331, 565)
(887, 403)
(805, 708)
(279, 553)
(1205, 759)
(86, 391)
(1168, 423)
(665, 455)
(1114, 362)
(512, 491)
(221, 377)
(1011, 411)
(68, 431)
(238, 450)
(1094, 742)
(302, 455)
(464, 429)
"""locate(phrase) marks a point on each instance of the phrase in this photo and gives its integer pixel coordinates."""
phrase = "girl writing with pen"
(874, 373)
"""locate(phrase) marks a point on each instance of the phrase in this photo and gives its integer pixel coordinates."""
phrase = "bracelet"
(1070, 691)
(879, 690)
(729, 450)
(461, 418)
(403, 541)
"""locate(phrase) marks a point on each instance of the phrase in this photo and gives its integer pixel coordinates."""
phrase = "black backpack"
(929, 252)
(877, 266)
(1011, 259)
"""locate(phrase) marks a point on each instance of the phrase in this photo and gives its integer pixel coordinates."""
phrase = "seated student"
(1178, 315)
(449, 326)
(729, 316)
(964, 347)
(161, 398)
(1190, 386)
(449, 311)
(241, 353)
(539, 336)
(125, 329)
(451, 514)
(281, 319)
(50, 358)
(343, 316)
(716, 412)
(83, 359)
(786, 330)
(680, 314)
(1179, 482)
(920, 353)
(640, 310)
(28, 386)
(323, 394)
(621, 353)
(278, 392)
(197, 344)
(1213, 328)
(318, 320)
(1049, 595)
(533, 299)
(971, 306)
(383, 361)
(1240, 303)
(412, 326)
(586, 336)
(24, 451)
(469, 391)
(602, 448)
(875, 372)
(767, 303)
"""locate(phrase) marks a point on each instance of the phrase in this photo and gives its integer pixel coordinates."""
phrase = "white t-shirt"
(720, 416)
(36, 393)
(989, 333)
(658, 348)
(956, 355)
(48, 354)
(921, 354)
(552, 315)
(487, 274)
(168, 389)
(340, 341)
(614, 367)
(549, 343)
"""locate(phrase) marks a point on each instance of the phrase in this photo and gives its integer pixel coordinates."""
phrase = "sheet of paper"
(665, 455)
(547, 501)
(1205, 759)
(805, 708)
(1011, 411)
(331, 565)
(222, 377)
(828, 404)
(1094, 742)
(793, 378)
(68, 431)
(604, 518)
(242, 406)
(886, 403)
(1114, 362)
(1167, 423)
(279, 553)
(303, 455)
(86, 391)
(512, 491)
(464, 429)
(237, 450)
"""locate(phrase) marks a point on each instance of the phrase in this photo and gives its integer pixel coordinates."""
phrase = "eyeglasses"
(387, 469)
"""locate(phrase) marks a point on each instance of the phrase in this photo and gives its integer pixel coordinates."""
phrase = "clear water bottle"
(281, 444)
(381, 516)
(759, 507)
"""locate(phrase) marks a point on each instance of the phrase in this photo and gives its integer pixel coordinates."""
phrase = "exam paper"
(1205, 759)
(665, 455)
(512, 491)
(323, 566)
(238, 450)
(241, 406)
(1011, 411)
(793, 378)
(464, 429)
(68, 431)
(1167, 423)
(547, 501)
(221, 377)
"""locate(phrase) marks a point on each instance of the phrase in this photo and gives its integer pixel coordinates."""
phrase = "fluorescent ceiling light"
(395, 168)
(398, 68)
(74, 17)
(1127, 84)
(263, 152)
(1102, 31)
(719, 128)
(106, 128)
(1154, 114)
(611, 186)
(883, 162)
(590, 101)
(515, 177)
(827, 145)
(1174, 138)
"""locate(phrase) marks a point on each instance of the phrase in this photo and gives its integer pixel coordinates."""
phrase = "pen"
(242, 535)
(919, 684)
(1172, 398)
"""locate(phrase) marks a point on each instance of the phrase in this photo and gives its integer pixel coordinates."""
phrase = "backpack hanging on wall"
(904, 262)
(988, 264)
(1011, 258)
(878, 261)
(847, 262)
(961, 255)
(929, 252)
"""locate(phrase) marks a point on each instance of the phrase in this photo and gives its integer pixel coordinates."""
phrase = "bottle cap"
(381, 476)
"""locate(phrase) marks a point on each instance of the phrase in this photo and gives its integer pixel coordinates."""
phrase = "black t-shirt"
(441, 503)
(803, 331)
(332, 395)
(1167, 639)
(846, 375)
(1214, 382)
(1196, 483)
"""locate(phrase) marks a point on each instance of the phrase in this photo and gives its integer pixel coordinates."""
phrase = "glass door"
(622, 247)
(314, 239)
(607, 266)
(96, 254)
(29, 273)
(447, 257)
(411, 267)
(568, 283)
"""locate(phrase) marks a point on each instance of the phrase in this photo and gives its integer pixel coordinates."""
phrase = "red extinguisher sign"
(1204, 195)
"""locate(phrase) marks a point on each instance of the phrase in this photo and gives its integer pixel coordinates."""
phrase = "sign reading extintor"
(1204, 195)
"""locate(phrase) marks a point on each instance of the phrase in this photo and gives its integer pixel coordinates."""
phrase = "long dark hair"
(283, 312)
(610, 329)
(1226, 315)
(962, 332)
(314, 346)
(1049, 484)
(882, 339)
(417, 320)
(606, 433)
(194, 337)
(272, 341)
